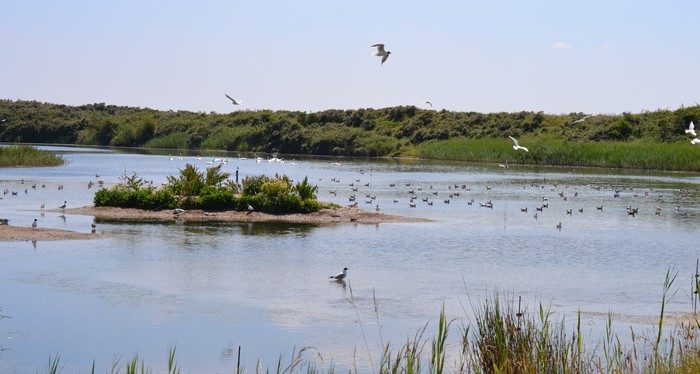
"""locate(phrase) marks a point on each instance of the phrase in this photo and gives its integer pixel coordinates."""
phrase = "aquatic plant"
(28, 156)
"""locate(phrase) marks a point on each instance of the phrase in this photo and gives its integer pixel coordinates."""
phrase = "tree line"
(393, 131)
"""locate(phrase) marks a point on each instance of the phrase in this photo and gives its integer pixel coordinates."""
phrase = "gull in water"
(428, 102)
(517, 146)
(691, 129)
(381, 52)
(340, 276)
(233, 101)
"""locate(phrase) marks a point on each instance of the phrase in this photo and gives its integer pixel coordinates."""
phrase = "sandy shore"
(322, 217)
(11, 233)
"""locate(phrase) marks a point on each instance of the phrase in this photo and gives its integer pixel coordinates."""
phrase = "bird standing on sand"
(250, 209)
(381, 52)
(517, 146)
(34, 224)
(340, 276)
(65, 204)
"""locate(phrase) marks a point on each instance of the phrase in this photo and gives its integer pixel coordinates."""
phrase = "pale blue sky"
(487, 56)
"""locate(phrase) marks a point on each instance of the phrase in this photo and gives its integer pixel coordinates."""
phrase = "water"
(209, 288)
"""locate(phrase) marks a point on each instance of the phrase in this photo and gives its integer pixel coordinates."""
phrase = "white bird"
(579, 120)
(233, 100)
(517, 146)
(65, 204)
(691, 129)
(341, 275)
(381, 52)
(34, 224)
(695, 141)
(429, 103)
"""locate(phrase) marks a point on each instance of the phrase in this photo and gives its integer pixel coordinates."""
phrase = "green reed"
(629, 155)
(27, 156)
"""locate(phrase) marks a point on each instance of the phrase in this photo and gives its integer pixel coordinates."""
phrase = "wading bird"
(340, 276)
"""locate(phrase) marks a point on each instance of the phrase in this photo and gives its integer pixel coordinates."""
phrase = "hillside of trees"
(395, 131)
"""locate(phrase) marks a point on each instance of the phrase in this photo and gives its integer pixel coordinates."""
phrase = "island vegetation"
(213, 190)
(647, 140)
(27, 156)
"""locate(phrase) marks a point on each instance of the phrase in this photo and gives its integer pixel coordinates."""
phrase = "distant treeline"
(395, 131)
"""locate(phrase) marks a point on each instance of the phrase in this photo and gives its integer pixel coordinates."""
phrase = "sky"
(559, 57)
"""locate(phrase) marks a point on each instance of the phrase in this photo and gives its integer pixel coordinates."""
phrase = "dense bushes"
(212, 190)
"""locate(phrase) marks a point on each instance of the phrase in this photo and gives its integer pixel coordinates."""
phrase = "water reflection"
(264, 286)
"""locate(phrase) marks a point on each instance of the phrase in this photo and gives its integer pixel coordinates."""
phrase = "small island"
(209, 196)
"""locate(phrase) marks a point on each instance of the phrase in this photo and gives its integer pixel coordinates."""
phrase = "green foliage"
(212, 191)
(305, 190)
(142, 198)
(27, 156)
(175, 140)
(395, 131)
(188, 183)
(252, 185)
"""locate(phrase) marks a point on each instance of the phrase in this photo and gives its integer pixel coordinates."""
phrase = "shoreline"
(342, 215)
(323, 216)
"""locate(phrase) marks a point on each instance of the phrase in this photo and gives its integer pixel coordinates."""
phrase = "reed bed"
(27, 156)
(629, 155)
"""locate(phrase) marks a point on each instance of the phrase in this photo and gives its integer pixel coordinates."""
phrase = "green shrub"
(252, 185)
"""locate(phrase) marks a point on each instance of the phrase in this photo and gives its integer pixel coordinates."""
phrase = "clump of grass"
(27, 156)
(175, 140)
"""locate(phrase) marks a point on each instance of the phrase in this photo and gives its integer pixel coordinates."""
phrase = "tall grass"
(27, 156)
(630, 155)
(175, 140)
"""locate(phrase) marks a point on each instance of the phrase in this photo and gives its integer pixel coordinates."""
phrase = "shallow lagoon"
(209, 289)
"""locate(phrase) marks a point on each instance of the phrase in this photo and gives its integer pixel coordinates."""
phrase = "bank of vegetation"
(647, 140)
(27, 156)
(212, 190)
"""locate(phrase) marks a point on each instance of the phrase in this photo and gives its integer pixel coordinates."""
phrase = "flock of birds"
(15, 192)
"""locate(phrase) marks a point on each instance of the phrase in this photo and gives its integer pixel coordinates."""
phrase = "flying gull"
(517, 146)
(691, 129)
(381, 52)
(234, 100)
(429, 103)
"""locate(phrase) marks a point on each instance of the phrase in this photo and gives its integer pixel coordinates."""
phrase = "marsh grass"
(643, 155)
(27, 156)
(498, 338)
